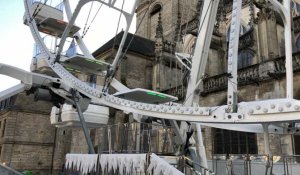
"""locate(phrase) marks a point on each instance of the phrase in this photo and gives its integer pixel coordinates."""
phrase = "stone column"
(267, 33)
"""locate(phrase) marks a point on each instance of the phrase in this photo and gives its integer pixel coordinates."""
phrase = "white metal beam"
(12, 91)
(233, 55)
(285, 12)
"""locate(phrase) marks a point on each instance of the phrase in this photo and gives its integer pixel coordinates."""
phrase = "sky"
(16, 43)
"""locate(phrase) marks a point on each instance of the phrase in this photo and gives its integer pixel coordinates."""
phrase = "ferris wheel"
(61, 65)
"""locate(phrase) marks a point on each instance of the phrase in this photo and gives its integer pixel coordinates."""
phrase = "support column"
(82, 122)
(266, 138)
(201, 147)
(138, 117)
(232, 57)
(267, 148)
(288, 49)
(199, 60)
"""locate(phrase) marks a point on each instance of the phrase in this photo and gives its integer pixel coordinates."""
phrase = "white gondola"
(145, 96)
(81, 63)
(95, 116)
(49, 19)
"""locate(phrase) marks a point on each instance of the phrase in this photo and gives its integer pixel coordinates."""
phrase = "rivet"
(272, 106)
(265, 110)
(288, 104)
(240, 116)
(258, 107)
(229, 116)
(297, 107)
(280, 109)
(201, 112)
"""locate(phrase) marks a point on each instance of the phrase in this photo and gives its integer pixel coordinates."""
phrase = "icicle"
(124, 162)
(85, 163)
(159, 166)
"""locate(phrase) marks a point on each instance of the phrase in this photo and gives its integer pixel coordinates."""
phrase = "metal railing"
(193, 168)
(137, 138)
(255, 164)
(59, 6)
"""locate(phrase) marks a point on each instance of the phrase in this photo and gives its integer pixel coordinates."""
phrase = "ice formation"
(85, 163)
(125, 163)
(159, 166)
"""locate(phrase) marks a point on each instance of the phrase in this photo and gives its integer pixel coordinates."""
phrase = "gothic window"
(155, 9)
(234, 142)
(297, 146)
(298, 43)
(3, 128)
(245, 58)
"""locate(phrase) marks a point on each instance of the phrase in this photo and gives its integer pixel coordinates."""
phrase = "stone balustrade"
(254, 74)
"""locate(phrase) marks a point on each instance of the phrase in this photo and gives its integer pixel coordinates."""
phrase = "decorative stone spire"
(252, 17)
(159, 28)
(177, 36)
(198, 8)
(158, 54)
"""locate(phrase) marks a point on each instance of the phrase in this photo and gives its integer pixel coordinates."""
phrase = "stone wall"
(29, 140)
(169, 14)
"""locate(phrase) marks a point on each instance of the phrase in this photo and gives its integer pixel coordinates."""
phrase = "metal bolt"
(280, 109)
(258, 107)
(288, 104)
(229, 116)
(272, 106)
(240, 116)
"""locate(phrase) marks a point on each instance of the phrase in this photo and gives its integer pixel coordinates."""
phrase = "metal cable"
(87, 19)
(108, 80)
(92, 21)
